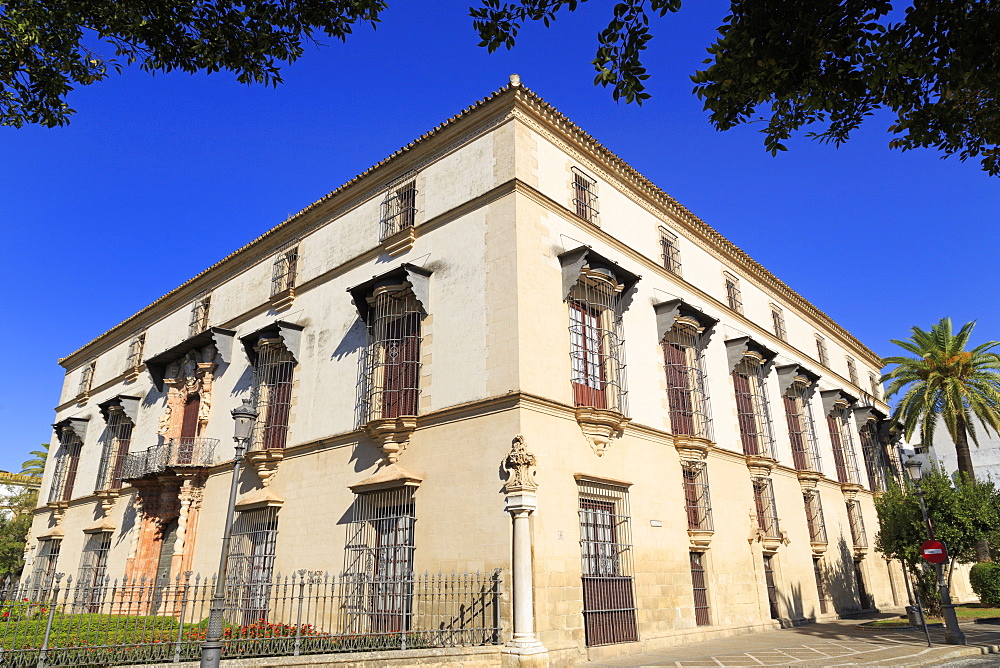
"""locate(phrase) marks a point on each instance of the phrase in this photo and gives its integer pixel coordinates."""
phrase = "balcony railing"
(175, 453)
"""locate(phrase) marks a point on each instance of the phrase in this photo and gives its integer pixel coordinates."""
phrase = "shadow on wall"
(837, 575)
(792, 606)
(245, 384)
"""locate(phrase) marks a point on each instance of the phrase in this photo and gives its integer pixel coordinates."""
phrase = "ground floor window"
(820, 588)
(702, 614)
(93, 567)
(859, 577)
(250, 568)
(772, 588)
(606, 549)
(44, 571)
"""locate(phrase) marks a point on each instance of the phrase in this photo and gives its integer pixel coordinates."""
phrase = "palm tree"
(36, 466)
(945, 381)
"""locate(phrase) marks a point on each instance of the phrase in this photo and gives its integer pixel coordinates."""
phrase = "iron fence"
(175, 453)
(67, 623)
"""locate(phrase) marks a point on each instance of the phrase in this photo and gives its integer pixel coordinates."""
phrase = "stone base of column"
(525, 652)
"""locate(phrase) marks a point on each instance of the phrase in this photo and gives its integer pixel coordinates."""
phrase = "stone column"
(521, 501)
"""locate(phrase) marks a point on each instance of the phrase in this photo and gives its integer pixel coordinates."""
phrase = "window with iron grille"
(767, 510)
(857, 523)
(821, 354)
(814, 516)
(44, 570)
(285, 269)
(852, 370)
(250, 569)
(379, 561)
(399, 208)
(585, 196)
(702, 612)
(752, 410)
(67, 462)
(199, 315)
(876, 385)
(772, 587)
(801, 428)
(93, 568)
(597, 342)
(87, 378)
(844, 457)
(606, 547)
(733, 297)
(670, 252)
(273, 371)
(135, 350)
(392, 358)
(876, 464)
(778, 320)
(114, 449)
(697, 502)
(687, 392)
(820, 587)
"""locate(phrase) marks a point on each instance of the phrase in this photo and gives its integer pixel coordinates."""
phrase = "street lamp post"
(953, 635)
(211, 649)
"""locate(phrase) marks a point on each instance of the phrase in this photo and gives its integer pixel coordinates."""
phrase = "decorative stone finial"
(520, 465)
(515, 80)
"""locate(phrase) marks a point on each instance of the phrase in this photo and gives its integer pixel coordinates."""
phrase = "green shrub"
(985, 579)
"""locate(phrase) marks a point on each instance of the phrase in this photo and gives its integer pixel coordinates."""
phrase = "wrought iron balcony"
(176, 453)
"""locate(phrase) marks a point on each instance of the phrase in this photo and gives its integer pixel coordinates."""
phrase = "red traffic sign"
(933, 551)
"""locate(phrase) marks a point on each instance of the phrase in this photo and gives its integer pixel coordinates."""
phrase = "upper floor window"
(71, 433)
(683, 345)
(814, 516)
(273, 366)
(734, 299)
(115, 445)
(670, 252)
(606, 548)
(135, 349)
(778, 320)
(799, 416)
(821, 354)
(87, 379)
(285, 270)
(876, 385)
(876, 462)
(199, 315)
(838, 421)
(585, 196)
(752, 410)
(697, 502)
(857, 522)
(767, 509)
(392, 307)
(399, 208)
(852, 370)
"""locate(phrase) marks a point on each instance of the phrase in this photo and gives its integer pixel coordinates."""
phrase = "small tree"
(962, 513)
(14, 526)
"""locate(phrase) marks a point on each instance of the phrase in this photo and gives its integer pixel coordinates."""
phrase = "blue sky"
(157, 178)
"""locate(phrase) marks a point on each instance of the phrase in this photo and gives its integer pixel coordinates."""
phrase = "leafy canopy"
(46, 48)
(36, 465)
(941, 379)
(934, 64)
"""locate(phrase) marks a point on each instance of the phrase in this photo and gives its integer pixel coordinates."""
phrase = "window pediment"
(583, 260)
(222, 339)
(129, 404)
(789, 374)
(836, 399)
(418, 279)
(740, 347)
(669, 313)
(289, 333)
(77, 426)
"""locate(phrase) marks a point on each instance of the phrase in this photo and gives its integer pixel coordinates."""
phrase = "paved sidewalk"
(838, 643)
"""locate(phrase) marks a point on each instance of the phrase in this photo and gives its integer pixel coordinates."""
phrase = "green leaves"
(44, 51)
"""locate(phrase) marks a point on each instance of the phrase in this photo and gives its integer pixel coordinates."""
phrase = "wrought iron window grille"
(200, 311)
(876, 461)
(285, 270)
(606, 549)
(801, 427)
(778, 320)
(697, 500)
(597, 341)
(687, 391)
(66, 465)
(399, 208)
(699, 586)
(391, 362)
(820, 587)
(93, 572)
(115, 449)
(767, 510)
(274, 368)
(821, 353)
(378, 561)
(852, 370)
(670, 253)
(752, 409)
(250, 569)
(585, 196)
(857, 523)
(43, 571)
(876, 386)
(772, 587)
(734, 299)
(845, 458)
(814, 516)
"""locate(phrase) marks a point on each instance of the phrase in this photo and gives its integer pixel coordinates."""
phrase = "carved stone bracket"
(400, 242)
(58, 509)
(819, 548)
(771, 543)
(850, 490)
(392, 434)
(520, 466)
(692, 448)
(281, 301)
(600, 426)
(760, 467)
(107, 499)
(699, 540)
(808, 480)
(265, 462)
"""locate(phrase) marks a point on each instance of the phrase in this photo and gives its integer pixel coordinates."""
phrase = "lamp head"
(244, 417)
(913, 466)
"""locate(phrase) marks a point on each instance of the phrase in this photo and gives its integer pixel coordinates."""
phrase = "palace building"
(695, 451)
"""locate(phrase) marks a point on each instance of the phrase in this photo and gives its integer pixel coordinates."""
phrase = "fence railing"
(175, 453)
(67, 623)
